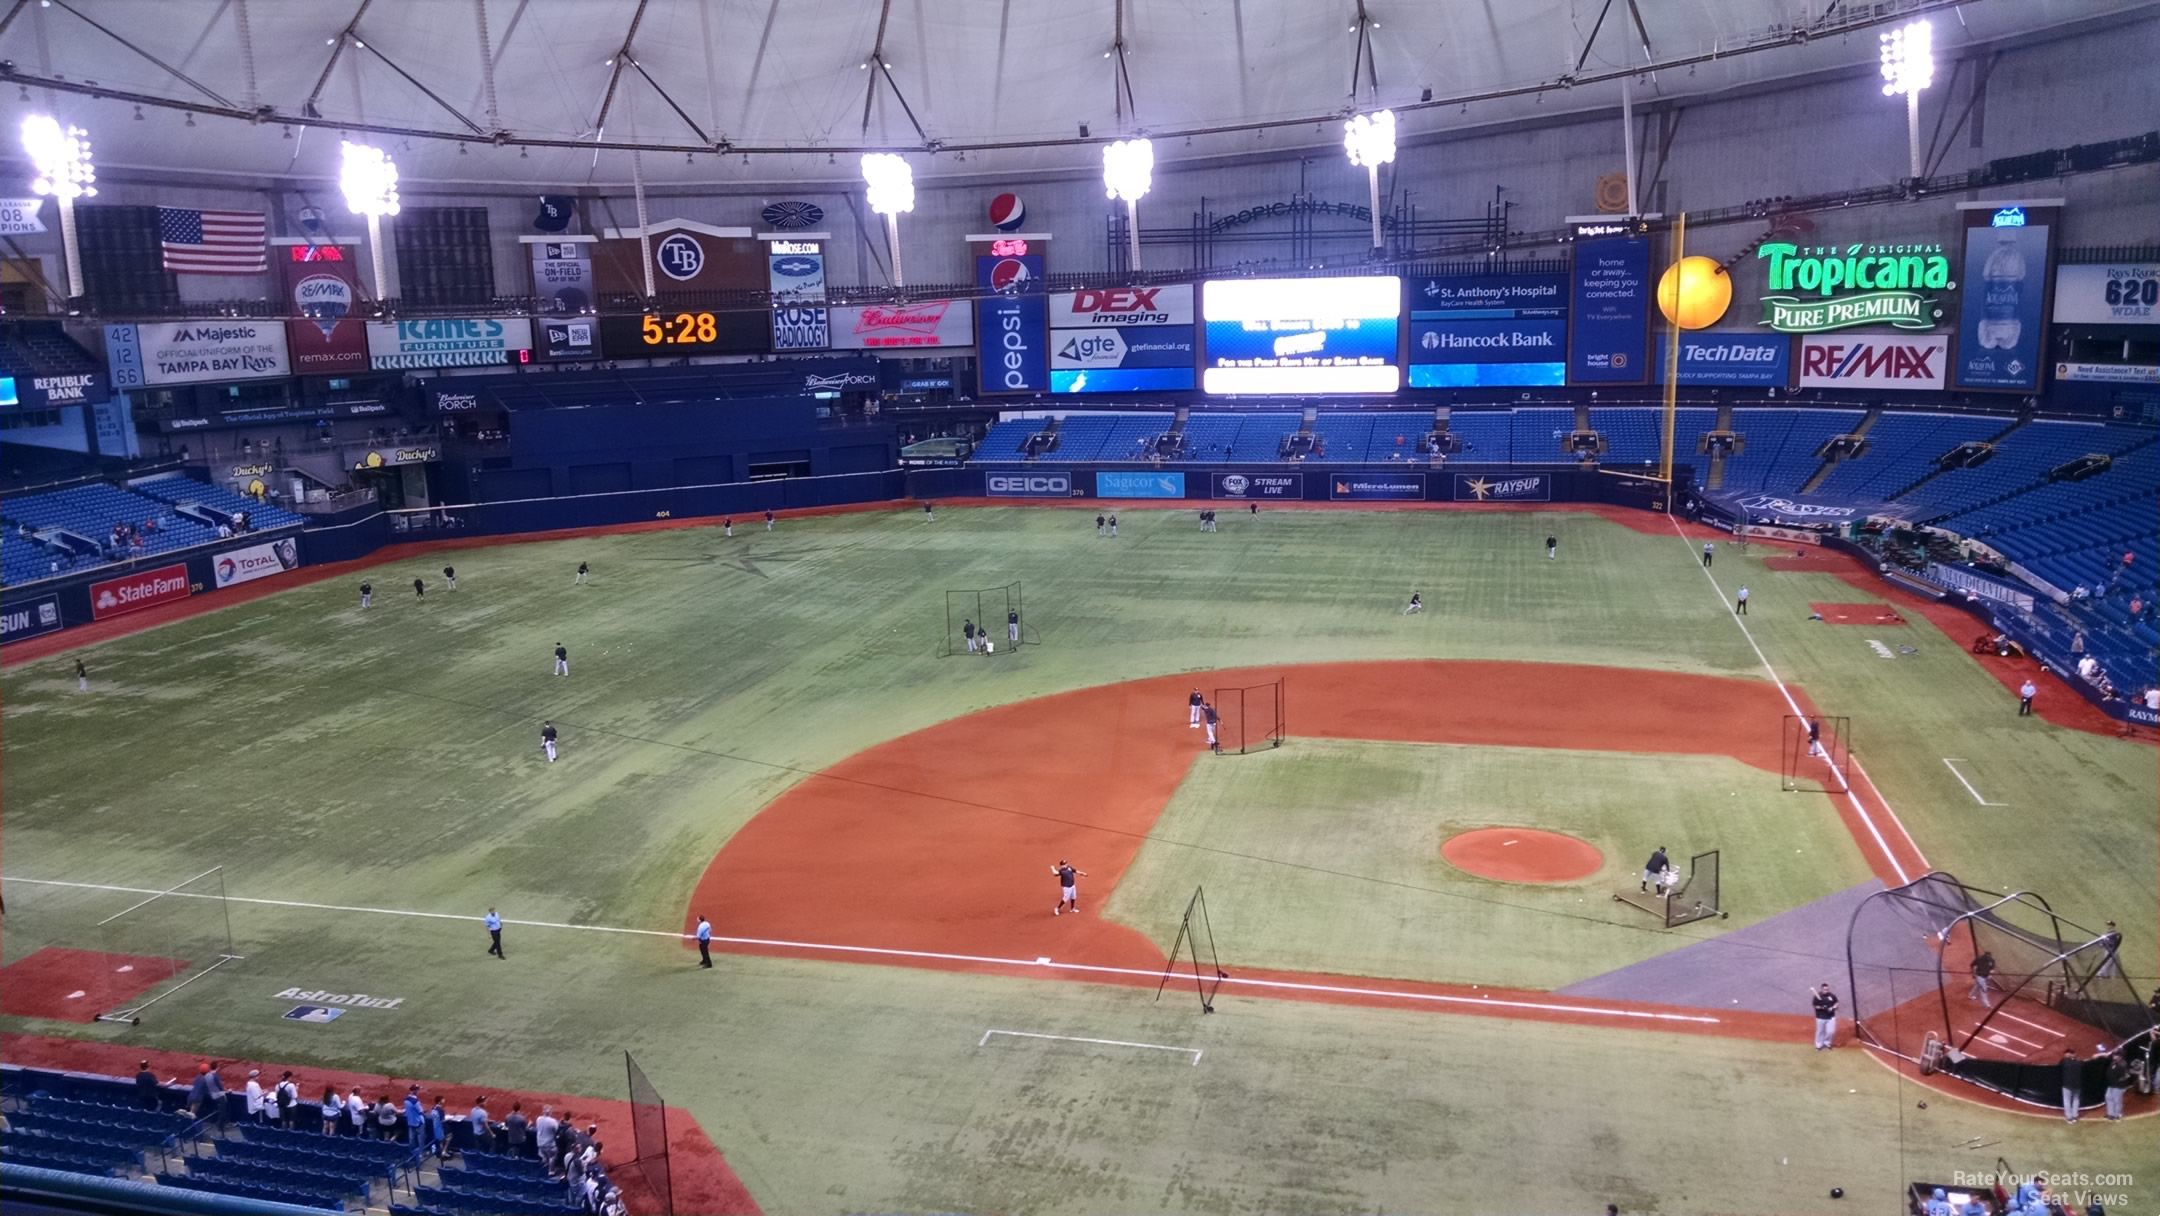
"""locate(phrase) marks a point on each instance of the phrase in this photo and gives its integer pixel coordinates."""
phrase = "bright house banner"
(447, 342)
(2002, 311)
(1610, 331)
(1488, 330)
(2120, 293)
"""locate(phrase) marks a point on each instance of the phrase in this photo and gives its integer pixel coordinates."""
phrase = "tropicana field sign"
(1881, 284)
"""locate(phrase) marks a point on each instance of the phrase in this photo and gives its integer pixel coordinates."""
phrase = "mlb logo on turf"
(313, 1013)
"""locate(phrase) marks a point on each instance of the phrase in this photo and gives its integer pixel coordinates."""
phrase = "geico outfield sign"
(1882, 284)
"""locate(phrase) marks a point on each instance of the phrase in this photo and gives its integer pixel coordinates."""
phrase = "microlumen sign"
(1863, 284)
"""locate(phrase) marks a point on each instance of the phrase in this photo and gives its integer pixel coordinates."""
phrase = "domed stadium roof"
(532, 92)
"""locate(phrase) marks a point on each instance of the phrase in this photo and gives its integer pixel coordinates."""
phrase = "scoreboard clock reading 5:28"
(668, 333)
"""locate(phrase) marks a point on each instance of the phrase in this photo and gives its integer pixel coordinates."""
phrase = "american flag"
(214, 242)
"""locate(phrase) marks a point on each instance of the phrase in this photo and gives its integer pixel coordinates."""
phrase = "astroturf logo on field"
(1884, 284)
(351, 1000)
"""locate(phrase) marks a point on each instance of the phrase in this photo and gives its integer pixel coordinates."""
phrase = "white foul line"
(1785, 692)
(1067, 1038)
(1434, 998)
(1951, 763)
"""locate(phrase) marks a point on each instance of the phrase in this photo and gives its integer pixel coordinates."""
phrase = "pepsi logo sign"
(1013, 248)
(1009, 277)
(1007, 212)
(680, 257)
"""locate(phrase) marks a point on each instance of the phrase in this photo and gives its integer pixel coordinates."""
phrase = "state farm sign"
(1132, 306)
(145, 589)
(1874, 361)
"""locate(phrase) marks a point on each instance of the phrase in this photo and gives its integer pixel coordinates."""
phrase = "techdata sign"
(1816, 288)
(1258, 485)
(1139, 485)
(1012, 325)
(1874, 361)
(1122, 339)
(1532, 487)
(1488, 330)
(2120, 293)
(447, 342)
(195, 352)
(1302, 335)
(801, 328)
(1027, 485)
(2003, 310)
(1710, 357)
(1393, 487)
(21, 618)
(1611, 316)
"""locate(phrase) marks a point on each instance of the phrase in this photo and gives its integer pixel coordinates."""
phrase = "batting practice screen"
(1249, 719)
(1816, 753)
(999, 623)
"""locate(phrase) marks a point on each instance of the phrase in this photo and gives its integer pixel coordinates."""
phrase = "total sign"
(1874, 361)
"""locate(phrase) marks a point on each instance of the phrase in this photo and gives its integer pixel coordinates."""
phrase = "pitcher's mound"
(1522, 855)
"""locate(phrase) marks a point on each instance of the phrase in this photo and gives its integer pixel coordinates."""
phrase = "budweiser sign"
(922, 323)
(145, 589)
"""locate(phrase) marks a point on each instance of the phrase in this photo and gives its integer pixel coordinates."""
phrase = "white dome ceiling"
(785, 81)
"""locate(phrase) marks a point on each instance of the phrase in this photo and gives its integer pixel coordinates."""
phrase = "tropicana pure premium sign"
(1813, 288)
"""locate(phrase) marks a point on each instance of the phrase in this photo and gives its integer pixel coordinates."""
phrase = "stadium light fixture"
(891, 191)
(369, 179)
(1128, 169)
(1370, 140)
(1908, 66)
(60, 166)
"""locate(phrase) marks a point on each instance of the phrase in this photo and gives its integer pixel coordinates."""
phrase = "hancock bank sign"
(1815, 288)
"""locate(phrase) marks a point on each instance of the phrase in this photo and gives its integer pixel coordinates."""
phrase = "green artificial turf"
(1325, 856)
(389, 759)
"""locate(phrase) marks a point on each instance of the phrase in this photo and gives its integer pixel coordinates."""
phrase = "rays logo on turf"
(1007, 212)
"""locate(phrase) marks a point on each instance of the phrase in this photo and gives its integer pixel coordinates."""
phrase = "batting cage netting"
(648, 1135)
(1195, 950)
(1991, 988)
(986, 621)
(1816, 753)
(1684, 900)
(1249, 719)
(157, 946)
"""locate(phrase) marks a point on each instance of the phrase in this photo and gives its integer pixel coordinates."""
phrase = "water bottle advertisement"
(2004, 299)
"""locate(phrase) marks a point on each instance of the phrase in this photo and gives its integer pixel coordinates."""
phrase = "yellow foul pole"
(1672, 361)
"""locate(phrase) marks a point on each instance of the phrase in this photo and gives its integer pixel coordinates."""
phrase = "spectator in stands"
(255, 1104)
(2077, 643)
(2086, 667)
(356, 1113)
(2152, 698)
(2137, 607)
(415, 1118)
(146, 1087)
(387, 1119)
(514, 1130)
(544, 1137)
(438, 1127)
(333, 1110)
(224, 531)
(288, 1099)
(2081, 591)
(477, 1120)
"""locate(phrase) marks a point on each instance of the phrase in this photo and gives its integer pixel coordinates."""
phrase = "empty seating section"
(1133, 436)
(1003, 441)
(1901, 449)
(2021, 459)
(1541, 434)
(180, 491)
(1351, 436)
(1780, 447)
(1634, 435)
(1208, 437)
(1260, 439)
(1485, 434)
(1081, 437)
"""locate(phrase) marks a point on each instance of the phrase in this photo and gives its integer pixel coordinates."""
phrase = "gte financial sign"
(1821, 287)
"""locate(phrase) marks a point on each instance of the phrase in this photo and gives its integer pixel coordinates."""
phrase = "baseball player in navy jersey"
(1212, 720)
(1196, 704)
(1068, 893)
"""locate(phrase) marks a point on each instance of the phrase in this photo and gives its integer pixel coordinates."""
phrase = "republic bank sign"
(1817, 288)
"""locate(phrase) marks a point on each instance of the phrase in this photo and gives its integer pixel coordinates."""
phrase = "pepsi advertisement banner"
(1391, 487)
(1763, 360)
(1469, 331)
(1139, 485)
(1611, 314)
(2002, 307)
(1012, 325)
